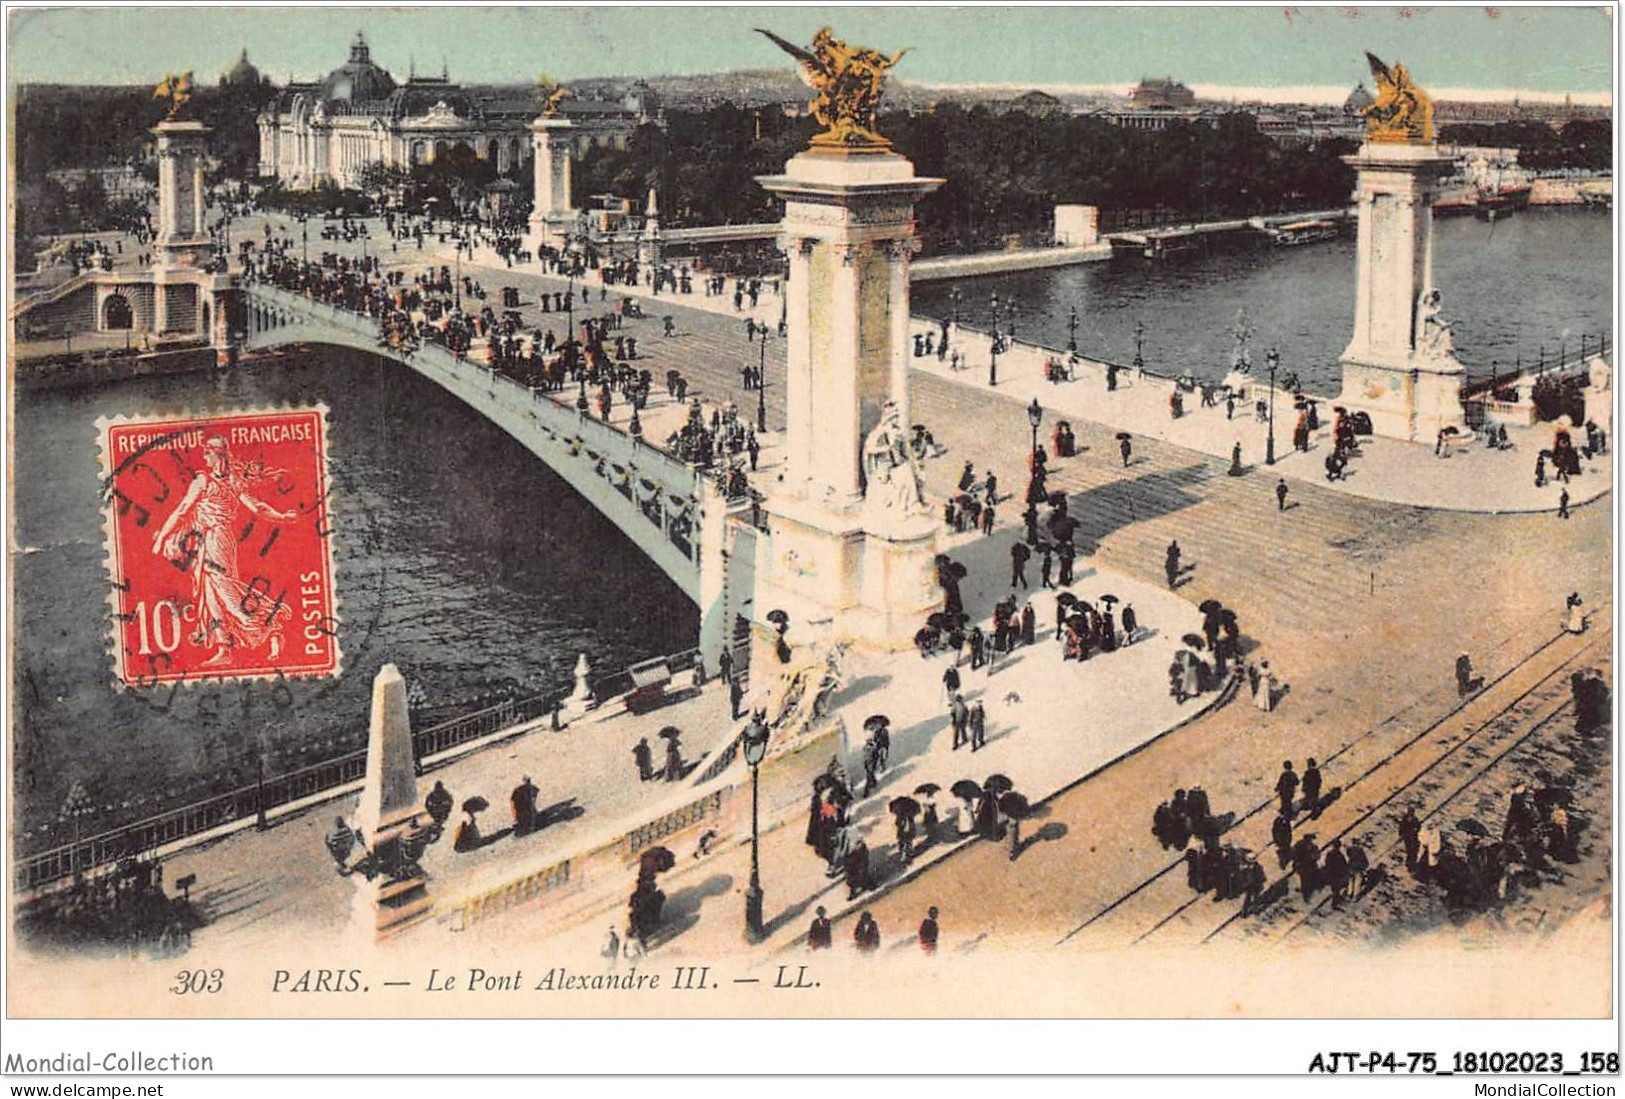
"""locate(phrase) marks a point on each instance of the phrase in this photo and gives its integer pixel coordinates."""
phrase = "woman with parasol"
(674, 752)
(468, 832)
(927, 792)
(969, 793)
(1108, 626)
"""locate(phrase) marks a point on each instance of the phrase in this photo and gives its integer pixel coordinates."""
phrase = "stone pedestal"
(844, 567)
(390, 901)
(1398, 367)
(552, 216)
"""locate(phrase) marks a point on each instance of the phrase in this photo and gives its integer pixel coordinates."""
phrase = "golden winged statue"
(848, 80)
(552, 96)
(1402, 113)
(176, 89)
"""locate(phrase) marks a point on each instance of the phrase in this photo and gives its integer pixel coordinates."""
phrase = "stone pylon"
(552, 215)
(1400, 367)
(850, 549)
(395, 897)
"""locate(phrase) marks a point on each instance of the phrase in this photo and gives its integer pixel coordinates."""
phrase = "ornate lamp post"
(1139, 345)
(1035, 416)
(754, 743)
(1072, 331)
(761, 385)
(304, 237)
(993, 346)
(570, 343)
(953, 299)
(1273, 358)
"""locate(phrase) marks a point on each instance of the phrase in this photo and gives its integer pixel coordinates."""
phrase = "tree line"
(1005, 171)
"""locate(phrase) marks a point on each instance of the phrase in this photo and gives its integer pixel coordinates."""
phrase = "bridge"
(671, 510)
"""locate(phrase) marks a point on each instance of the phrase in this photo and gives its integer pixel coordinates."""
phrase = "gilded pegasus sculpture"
(848, 81)
(176, 89)
(1402, 113)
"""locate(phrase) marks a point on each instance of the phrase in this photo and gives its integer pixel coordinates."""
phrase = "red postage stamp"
(220, 546)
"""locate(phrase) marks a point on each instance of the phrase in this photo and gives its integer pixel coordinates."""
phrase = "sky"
(1546, 49)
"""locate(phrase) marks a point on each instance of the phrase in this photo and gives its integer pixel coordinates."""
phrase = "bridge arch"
(117, 312)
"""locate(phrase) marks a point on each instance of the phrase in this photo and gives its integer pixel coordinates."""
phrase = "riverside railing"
(275, 791)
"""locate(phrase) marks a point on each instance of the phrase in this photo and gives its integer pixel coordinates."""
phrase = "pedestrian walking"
(950, 682)
(866, 936)
(978, 726)
(929, 931)
(1019, 553)
(820, 936)
(1335, 872)
(611, 951)
(1359, 868)
(1281, 837)
(523, 800)
(674, 759)
(987, 519)
(1280, 494)
(1563, 504)
(1286, 786)
(1126, 449)
(857, 870)
(959, 715)
(1046, 566)
(1311, 788)
(1170, 564)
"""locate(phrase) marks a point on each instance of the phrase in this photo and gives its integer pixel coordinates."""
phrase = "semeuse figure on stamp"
(200, 536)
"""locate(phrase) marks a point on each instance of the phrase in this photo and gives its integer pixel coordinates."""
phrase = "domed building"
(1359, 99)
(358, 114)
(241, 75)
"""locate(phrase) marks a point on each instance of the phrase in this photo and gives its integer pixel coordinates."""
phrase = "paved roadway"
(1361, 606)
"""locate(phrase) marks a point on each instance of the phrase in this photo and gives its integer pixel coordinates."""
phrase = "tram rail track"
(1439, 730)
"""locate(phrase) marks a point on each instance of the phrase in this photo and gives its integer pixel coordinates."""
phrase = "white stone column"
(798, 367)
(390, 900)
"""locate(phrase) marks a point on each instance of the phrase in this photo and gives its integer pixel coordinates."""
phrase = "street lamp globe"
(754, 740)
(1035, 414)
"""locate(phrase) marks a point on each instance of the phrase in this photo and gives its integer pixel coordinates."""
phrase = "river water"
(1507, 287)
(460, 558)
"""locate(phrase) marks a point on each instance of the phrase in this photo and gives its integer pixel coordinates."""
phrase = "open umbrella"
(1124, 435)
(1013, 805)
(476, 804)
(1473, 828)
(874, 723)
(958, 571)
(1210, 606)
(671, 732)
(778, 618)
(927, 789)
(904, 807)
(965, 790)
(824, 782)
(999, 784)
(656, 860)
(1193, 640)
(1055, 499)
(1067, 599)
(1110, 599)
(937, 620)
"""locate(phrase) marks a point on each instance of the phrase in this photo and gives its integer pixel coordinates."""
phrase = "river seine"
(1507, 287)
(460, 558)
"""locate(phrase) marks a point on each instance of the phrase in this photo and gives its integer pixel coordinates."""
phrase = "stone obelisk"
(1400, 367)
(396, 896)
(849, 554)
